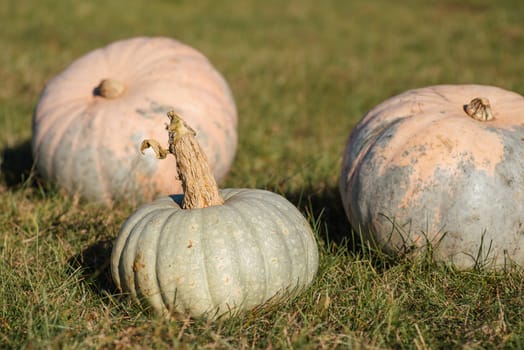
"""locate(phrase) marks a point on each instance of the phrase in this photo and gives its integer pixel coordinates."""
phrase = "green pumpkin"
(234, 251)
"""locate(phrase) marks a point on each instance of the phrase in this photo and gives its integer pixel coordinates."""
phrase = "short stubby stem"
(479, 109)
(110, 88)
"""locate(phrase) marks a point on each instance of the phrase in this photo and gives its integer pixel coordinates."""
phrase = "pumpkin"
(211, 253)
(91, 118)
(440, 167)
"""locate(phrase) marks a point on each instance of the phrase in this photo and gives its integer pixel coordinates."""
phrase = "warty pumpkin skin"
(418, 170)
(211, 253)
(91, 118)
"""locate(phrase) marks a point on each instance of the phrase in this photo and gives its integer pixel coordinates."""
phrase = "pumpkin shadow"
(326, 213)
(93, 264)
(17, 165)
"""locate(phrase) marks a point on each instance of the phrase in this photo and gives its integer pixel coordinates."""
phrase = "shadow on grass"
(326, 209)
(94, 266)
(17, 163)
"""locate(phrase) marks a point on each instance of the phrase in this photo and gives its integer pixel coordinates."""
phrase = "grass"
(303, 73)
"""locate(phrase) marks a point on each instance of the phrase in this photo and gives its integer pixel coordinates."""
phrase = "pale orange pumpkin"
(92, 117)
(441, 166)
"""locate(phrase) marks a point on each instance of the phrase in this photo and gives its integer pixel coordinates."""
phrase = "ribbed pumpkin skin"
(89, 145)
(209, 261)
(417, 168)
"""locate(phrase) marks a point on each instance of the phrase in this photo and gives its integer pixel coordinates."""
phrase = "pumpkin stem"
(110, 88)
(199, 185)
(479, 109)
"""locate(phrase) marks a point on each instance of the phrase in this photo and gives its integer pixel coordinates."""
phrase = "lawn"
(302, 73)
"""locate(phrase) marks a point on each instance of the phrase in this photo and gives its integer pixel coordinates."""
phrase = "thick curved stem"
(199, 185)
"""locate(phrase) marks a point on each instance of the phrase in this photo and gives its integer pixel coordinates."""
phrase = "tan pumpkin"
(211, 253)
(91, 118)
(440, 166)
